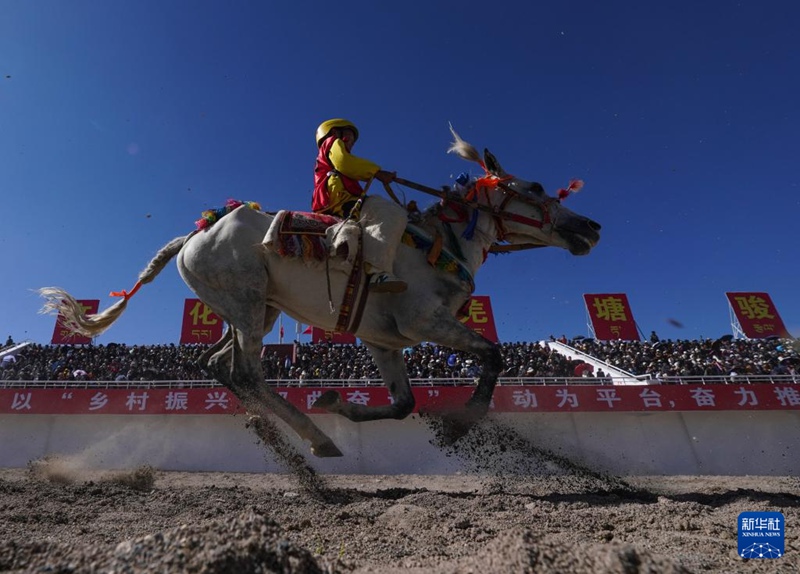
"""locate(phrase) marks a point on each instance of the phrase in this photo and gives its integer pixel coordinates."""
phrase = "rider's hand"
(386, 176)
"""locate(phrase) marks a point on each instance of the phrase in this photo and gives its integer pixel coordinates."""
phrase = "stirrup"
(385, 283)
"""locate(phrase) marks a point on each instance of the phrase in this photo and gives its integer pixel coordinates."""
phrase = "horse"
(229, 268)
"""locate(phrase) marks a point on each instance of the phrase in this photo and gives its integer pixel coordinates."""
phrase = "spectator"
(664, 360)
(685, 358)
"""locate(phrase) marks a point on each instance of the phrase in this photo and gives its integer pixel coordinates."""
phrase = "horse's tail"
(58, 301)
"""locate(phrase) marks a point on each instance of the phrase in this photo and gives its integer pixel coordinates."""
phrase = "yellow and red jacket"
(336, 177)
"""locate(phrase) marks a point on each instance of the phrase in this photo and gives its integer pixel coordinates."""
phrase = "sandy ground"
(59, 518)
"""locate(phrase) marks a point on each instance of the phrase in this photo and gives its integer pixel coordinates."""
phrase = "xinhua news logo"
(761, 534)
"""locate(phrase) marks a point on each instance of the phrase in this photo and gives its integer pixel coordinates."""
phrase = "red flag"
(757, 315)
(307, 330)
(63, 336)
(322, 336)
(611, 317)
(478, 316)
(200, 323)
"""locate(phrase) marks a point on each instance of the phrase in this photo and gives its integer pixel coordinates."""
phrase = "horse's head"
(525, 216)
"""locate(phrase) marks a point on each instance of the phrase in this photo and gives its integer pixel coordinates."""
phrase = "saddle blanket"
(300, 234)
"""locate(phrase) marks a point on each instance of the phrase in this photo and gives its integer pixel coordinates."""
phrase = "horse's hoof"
(454, 428)
(457, 424)
(326, 400)
(253, 421)
(326, 450)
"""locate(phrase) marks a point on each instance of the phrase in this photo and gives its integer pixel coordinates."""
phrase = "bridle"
(485, 184)
(482, 187)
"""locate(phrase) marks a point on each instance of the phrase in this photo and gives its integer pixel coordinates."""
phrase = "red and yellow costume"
(337, 172)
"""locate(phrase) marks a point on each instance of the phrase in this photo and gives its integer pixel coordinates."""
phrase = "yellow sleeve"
(351, 166)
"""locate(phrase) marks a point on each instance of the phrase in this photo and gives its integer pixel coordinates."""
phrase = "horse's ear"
(492, 165)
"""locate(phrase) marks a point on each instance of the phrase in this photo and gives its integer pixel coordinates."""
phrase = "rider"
(336, 184)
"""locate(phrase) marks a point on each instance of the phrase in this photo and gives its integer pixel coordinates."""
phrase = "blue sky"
(681, 117)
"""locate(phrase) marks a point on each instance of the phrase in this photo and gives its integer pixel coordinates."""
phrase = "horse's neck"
(476, 248)
(473, 250)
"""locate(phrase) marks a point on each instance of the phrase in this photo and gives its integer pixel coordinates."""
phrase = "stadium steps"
(619, 376)
(13, 349)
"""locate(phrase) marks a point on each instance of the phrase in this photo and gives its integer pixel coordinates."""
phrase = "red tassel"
(125, 294)
(575, 185)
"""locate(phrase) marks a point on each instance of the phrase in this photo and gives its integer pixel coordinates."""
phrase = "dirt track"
(57, 518)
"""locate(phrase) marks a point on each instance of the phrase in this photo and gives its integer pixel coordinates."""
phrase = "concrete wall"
(670, 443)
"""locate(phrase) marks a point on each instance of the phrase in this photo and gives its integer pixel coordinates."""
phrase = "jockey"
(337, 189)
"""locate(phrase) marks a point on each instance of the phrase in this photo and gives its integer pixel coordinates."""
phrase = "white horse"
(229, 269)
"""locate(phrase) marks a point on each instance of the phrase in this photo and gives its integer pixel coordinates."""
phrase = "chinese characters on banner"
(200, 324)
(611, 317)
(322, 336)
(506, 399)
(757, 315)
(479, 317)
(63, 336)
(106, 401)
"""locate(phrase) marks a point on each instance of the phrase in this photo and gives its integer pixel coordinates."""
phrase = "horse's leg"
(393, 370)
(247, 383)
(448, 331)
(218, 281)
(216, 360)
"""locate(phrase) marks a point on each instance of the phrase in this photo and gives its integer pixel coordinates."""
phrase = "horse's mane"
(463, 149)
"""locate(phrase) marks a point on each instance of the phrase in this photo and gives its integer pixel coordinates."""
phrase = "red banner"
(757, 315)
(200, 323)
(507, 399)
(479, 317)
(322, 336)
(63, 336)
(282, 350)
(611, 317)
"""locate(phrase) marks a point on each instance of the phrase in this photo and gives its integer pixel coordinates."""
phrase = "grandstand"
(581, 361)
(697, 407)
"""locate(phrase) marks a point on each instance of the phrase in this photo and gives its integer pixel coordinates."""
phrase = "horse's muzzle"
(581, 238)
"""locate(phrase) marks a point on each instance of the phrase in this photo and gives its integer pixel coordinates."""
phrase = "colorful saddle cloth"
(300, 234)
(303, 235)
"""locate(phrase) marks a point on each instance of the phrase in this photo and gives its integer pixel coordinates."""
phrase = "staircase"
(618, 376)
(12, 350)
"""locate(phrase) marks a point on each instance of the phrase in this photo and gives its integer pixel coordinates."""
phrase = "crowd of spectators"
(426, 361)
(659, 359)
(118, 362)
(688, 358)
(112, 362)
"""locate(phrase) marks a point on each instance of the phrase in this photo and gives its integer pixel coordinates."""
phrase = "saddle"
(312, 236)
(316, 238)
(299, 234)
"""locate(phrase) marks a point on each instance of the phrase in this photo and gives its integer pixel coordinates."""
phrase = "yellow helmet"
(325, 128)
